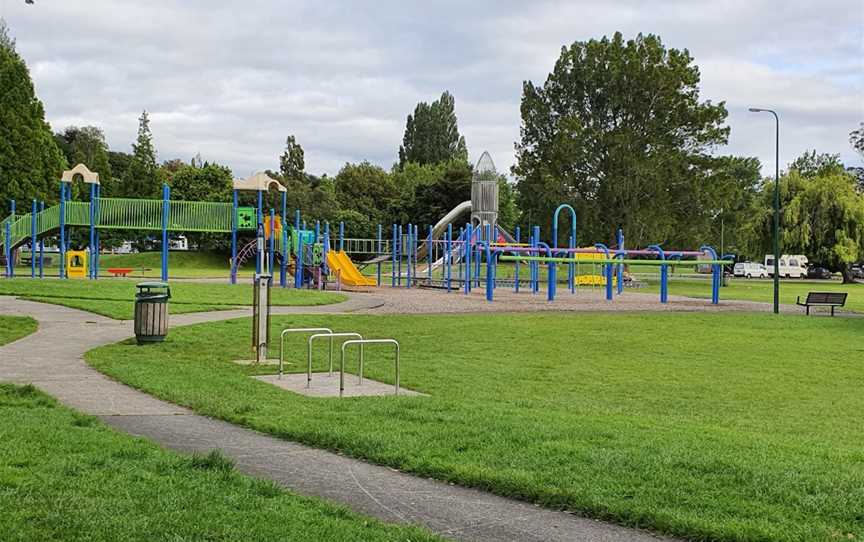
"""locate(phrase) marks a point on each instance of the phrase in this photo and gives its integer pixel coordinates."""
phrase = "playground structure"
(440, 256)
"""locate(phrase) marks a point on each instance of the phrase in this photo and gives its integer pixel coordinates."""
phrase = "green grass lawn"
(763, 290)
(114, 298)
(13, 328)
(65, 476)
(181, 264)
(710, 426)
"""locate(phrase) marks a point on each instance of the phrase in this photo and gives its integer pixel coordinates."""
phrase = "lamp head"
(756, 110)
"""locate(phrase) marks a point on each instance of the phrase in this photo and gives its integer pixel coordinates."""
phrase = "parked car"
(816, 272)
(750, 270)
(857, 270)
(792, 266)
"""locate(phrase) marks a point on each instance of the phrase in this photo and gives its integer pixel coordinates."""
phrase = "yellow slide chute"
(341, 264)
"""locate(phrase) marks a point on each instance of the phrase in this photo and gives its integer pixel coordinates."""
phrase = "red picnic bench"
(119, 271)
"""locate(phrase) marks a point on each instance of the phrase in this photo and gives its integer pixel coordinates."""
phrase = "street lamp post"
(776, 205)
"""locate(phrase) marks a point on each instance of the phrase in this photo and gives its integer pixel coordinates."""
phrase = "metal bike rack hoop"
(330, 335)
(300, 330)
(361, 342)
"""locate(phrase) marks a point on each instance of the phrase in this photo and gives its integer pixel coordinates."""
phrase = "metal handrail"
(300, 330)
(309, 352)
(361, 342)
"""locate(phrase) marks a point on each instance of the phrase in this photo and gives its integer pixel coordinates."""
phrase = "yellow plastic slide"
(340, 263)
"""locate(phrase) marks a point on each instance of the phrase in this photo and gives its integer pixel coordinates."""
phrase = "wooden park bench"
(823, 299)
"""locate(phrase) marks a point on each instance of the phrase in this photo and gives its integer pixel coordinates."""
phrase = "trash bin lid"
(146, 287)
(152, 284)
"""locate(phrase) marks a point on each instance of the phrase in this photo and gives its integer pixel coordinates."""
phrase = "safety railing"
(331, 336)
(290, 330)
(362, 342)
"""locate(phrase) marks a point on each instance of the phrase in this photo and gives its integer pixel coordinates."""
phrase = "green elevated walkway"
(122, 214)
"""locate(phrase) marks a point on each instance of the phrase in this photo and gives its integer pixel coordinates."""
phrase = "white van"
(792, 266)
(750, 270)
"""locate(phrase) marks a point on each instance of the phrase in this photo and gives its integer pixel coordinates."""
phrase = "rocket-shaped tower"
(484, 193)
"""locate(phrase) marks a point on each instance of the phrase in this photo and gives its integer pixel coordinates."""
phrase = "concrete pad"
(268, 361)
(324, 385)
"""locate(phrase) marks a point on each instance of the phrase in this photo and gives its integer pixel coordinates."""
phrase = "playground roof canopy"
(90, 177)
(260, 182)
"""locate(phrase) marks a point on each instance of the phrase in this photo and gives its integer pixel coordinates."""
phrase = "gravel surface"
(421, 300)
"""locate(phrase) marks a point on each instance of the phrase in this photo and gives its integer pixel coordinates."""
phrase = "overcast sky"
(230, 79)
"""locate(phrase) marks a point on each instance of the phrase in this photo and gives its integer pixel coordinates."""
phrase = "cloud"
(232, 80)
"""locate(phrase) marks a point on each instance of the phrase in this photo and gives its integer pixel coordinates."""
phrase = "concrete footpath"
(52, 360)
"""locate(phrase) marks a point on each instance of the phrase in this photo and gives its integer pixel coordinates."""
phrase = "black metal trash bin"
(151, 312)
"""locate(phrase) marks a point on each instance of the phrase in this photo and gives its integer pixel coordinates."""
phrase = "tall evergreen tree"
(142, 178)
(432, 134)
(30, 161)
(292, 164)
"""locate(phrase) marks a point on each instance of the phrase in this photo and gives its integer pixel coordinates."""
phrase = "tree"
(856, 138)
(822, 216)
(86, 145)
(618, 131)
(291, 163)
(432, 134)
(433, 200)
(30, 161)
(366, 189)
(812, 165)
(825, 221)
(210, 182)
(142, 179)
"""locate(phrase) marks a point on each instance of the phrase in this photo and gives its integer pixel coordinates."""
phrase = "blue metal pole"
(518, 233)
(490, 282)
(571, 268)
(535, 265)
(325, 245)
(283, 267)
(448, 256)
(664, 273)
(259, 224)
(400, 236)
(298, 269)
(341, 236)
(469, 236)
(166, 195)
(6, 246)
(378, 255)
(42, 245)
(234, 238)
(62, 229)
(271, 256)
(96, 233)
(462, 252)
(317, 238)
(409, 250)
(298, 274)
(33, 240)
(393, 258)
(92, 209)
(415, 242)
(621, 266)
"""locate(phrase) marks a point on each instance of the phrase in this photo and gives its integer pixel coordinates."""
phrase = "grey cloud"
(232, 79)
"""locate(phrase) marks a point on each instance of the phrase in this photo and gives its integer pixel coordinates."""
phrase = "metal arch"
(664, 273)
(361, 342)
(715, 273)
(605, 249)
(331, 335)
(552, 267)
(299, 330)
